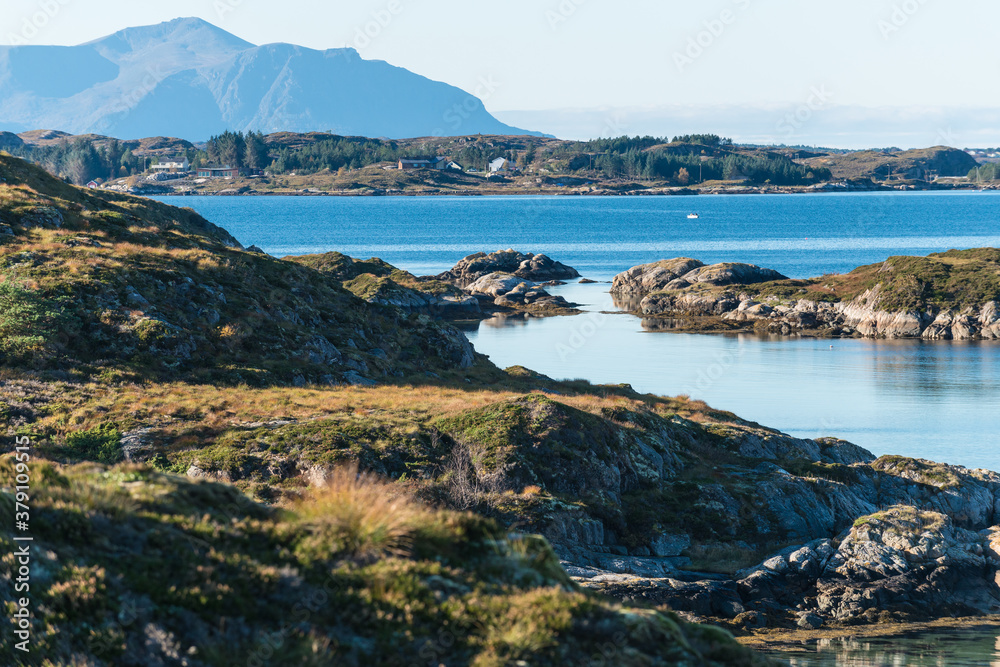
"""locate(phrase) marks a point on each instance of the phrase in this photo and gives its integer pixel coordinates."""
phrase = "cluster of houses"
(181, 165)
(984, 153)
(497, 166)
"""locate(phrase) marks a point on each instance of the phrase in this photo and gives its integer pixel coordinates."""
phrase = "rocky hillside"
(917, 164)
(118, 286)
(199, 416)
(478, 286)
(951, 295)
(134, 567)
(663, 502)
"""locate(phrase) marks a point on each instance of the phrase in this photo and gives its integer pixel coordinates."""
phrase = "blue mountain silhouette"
(188, 78)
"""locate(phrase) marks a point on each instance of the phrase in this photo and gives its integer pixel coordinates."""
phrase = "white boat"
(693, 216)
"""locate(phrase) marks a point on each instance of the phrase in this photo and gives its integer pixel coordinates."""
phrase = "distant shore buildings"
(172, 165)
(218, 172)
(438, 163)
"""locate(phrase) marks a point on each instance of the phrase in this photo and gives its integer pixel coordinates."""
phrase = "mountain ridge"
(189, 78)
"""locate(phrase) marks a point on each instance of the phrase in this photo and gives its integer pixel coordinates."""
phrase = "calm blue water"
(799, 235)
(974, 647)
(937, 400)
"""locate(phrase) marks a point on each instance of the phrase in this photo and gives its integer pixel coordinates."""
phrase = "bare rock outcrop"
(511, 291)
(899, 561)
(684, 288)
(653, 277)
(683, 272)
(527, 266)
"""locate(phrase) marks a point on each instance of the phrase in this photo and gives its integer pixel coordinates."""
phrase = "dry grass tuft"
(359, 516)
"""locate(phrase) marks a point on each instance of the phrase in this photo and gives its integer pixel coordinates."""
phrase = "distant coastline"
(594, 191)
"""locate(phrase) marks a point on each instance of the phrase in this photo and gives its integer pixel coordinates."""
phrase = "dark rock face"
(934, 553)
(10, 140)
(536, 268)
(902, 560)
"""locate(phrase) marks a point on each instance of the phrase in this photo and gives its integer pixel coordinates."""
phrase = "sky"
(603, 57)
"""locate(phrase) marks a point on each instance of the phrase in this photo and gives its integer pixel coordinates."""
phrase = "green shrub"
(25, 320)
(102, 444)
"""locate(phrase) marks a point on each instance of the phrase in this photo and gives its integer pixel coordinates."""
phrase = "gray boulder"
(652, 277)
(536, 268)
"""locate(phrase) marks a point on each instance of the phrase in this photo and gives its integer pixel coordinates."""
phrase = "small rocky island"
(477, 287)
(946, 296)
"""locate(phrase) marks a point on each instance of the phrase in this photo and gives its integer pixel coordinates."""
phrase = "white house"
(502, 164)
(172, 165)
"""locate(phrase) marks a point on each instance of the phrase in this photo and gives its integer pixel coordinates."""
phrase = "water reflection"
(628, 303)
(503, 320)
(976, 646)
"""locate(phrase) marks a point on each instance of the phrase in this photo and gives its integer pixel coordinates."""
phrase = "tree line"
(987, 172)
(664, 165)
(239, 150)
(81, 161)
(678, 160)
(336, 153)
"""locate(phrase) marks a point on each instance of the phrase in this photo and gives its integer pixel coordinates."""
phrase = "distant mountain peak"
(189, 78)
(189, 31)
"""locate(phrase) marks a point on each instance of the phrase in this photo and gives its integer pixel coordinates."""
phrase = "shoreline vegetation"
(321, 164)
(218, 435)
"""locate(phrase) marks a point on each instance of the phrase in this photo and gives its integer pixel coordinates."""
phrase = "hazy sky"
(562, 54)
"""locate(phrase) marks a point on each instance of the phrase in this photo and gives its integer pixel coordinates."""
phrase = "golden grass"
(180, 411)
(358, 514)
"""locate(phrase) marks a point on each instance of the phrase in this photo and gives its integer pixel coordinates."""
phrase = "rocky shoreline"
(479, 286)
(218, 435)
(904, 297)
(893, 540)
(159, 189)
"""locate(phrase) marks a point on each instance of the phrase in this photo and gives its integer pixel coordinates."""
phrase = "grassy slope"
(370, 278)
(535, 454)
(867, 164)
(144, 290)
(136, 567)
(135, 564)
